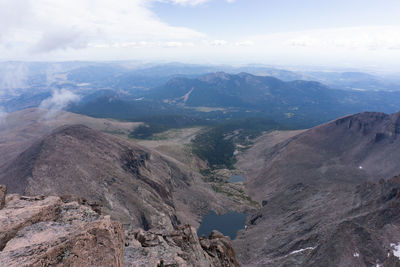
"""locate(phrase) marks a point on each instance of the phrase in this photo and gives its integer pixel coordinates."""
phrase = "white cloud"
(370, 38)
(190, 2)
(60, 39)
(13, 75)
(217, 43)
(45, 25)
(245, 43)
(59, 100)
(142, 44)
(185, 2)
(13, 14)
(128, 29)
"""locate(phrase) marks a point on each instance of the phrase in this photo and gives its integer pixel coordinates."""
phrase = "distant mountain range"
(132, 90)
(19, 77)
(297, 102)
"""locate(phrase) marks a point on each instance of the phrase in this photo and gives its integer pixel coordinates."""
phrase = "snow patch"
(356, 254)
(396, 249)
(301, 250)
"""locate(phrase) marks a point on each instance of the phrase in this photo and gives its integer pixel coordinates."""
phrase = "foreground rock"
(45, 231)
(67, 231)
(181, 247)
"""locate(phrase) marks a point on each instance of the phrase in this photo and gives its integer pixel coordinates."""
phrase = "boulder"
(180, 247)
(45, 231)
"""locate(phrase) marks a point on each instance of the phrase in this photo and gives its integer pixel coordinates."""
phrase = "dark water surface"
(228, 224)
(236, 178)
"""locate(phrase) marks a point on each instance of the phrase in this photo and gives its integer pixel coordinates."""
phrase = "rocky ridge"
(45, 231)
(135, 185)
(180, 247)
(327, 195)
(68, 231)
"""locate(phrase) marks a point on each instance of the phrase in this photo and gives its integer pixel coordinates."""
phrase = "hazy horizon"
(349, 34)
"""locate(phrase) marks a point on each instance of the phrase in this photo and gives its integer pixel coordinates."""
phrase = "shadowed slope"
(322, 202)
(135, 185)
(352, 149)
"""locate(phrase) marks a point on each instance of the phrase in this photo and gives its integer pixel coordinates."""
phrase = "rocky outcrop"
(69, 231)
(180, 247)
(20, 212)
(45, 231)
(220, 249)
(3, 192)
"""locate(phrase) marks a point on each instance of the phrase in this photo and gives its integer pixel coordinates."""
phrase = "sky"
(352, 33)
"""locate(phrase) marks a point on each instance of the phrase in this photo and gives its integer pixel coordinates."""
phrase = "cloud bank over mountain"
(201, 31)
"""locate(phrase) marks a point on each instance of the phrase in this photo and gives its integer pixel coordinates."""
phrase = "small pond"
(236, 178)
(228, 224)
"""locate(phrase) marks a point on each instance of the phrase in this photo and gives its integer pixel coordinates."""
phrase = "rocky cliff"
(54, 231)
(45, 231)
(180, 247)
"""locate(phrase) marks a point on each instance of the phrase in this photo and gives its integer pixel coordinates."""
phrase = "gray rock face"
(44, 231)
(306, 227)
(325, 203)
(180, 247)
(53, 231)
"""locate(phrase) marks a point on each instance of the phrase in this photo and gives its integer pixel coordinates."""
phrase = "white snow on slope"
(301, 250)
(396, 249)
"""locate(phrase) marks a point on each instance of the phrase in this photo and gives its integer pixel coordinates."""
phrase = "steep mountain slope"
(324, 200)
(337, 226)
(351, 149)
(135, 185)
(18, 130)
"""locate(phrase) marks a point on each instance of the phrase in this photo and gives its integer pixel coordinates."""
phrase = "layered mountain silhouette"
(298, 102)
(221, 96)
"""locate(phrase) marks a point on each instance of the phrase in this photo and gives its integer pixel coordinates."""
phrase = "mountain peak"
(378, 123)
(214, 76)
